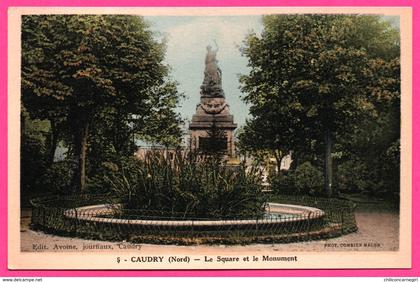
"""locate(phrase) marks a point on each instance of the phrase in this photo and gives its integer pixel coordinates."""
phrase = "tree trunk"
(54, 141)
(294, 157)
(278, 155)
(328, 164)
(335, 179)
(81, 151)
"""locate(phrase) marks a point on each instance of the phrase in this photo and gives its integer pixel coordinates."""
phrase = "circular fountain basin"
(276, 214)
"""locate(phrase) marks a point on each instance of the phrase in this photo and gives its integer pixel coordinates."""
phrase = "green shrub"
(283, 183)
(98, 183)
(391, 170)
(378, 177)
(354, 176)
(57, 179)
(306, 179)
(187, 185)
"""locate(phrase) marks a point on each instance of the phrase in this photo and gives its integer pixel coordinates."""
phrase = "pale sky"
(187, 38)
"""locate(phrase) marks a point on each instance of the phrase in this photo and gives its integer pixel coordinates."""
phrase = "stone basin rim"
(300, 213)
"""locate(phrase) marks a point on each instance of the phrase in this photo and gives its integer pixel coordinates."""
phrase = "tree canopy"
(82, 70)
(315, 77)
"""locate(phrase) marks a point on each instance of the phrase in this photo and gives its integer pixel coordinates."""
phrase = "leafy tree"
(161, 124)
(33, 153)
(313, 77)
(372, 146)
(264, 137)
(82, 67)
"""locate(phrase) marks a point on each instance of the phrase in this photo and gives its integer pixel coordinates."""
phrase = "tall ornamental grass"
(186, 185)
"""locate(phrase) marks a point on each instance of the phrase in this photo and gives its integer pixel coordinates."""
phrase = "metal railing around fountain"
(102, 217)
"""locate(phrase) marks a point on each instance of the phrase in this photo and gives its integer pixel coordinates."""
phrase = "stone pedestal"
(212, 112)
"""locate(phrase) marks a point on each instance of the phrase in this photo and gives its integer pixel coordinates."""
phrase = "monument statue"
(212, 83)
(212, 111)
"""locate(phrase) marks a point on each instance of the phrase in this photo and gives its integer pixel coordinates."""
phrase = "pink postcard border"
(413, 272)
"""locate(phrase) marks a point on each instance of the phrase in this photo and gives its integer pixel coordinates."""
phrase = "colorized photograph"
(210, 141)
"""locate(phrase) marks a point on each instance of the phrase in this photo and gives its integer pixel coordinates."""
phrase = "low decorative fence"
(102, 217)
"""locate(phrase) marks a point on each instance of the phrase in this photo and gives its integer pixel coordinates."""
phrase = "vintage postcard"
(209, 138)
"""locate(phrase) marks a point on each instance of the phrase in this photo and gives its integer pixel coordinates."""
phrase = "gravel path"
(378, 231)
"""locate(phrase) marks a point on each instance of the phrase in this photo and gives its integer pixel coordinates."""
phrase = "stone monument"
(212, 111)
